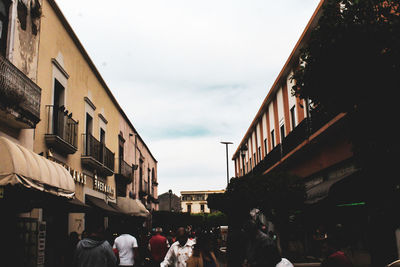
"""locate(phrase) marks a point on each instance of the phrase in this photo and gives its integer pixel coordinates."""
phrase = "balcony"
(123, 177)
(144, 189)
(62, 130)
(301, 132)
(19, 97)
(97, 156)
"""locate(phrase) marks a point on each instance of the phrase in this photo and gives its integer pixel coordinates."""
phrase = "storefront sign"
(78, 176)
(102, 186)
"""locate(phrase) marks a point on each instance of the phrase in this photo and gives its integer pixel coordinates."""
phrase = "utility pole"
(227, 161)
(170, 199)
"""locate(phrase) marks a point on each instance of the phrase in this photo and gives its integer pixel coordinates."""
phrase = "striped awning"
(19, 165)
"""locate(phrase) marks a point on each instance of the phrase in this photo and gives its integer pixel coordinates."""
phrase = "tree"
(351, 64)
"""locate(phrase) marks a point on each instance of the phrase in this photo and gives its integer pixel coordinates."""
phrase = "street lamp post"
(170, 198)
(227, 161)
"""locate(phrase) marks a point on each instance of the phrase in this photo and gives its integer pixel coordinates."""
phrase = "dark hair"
(202, 244)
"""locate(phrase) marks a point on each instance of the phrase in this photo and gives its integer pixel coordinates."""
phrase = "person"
(73, 241)
(180, 251)
(158, 246)
(203, 256)
(94, 250)
(283, 262)
(334, 257)
(127, 247)
(260, 248)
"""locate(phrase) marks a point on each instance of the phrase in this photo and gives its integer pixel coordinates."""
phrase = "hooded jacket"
(90, 252)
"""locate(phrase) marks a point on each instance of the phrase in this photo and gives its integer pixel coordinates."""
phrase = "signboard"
(41, 244)
(101, 186)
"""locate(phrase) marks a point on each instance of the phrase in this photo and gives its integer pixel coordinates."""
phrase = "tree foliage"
(278, 195)
(351, 64)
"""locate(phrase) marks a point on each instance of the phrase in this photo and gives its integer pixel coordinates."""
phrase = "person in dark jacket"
(260, 248)
(94, 251)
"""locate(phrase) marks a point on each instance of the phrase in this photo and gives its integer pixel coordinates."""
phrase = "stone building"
(165, 199)
(67, 147)
(196, 201)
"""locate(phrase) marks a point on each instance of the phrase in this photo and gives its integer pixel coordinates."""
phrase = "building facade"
(287, 135)
(77, 158)
(169, 202)
(196, 201)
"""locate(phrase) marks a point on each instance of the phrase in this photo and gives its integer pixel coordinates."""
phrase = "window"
(273, 138)
(103, 136)
(189, 208)
(282, 132)
(202, 207)
(255, 159)
(4, 16)
(89, 124)
(250, 163)
(293, 117)
(259, 154)
(265, 146)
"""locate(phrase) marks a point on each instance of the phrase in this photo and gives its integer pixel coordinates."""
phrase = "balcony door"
(121, 143)
(88, 131)
(58, 108)
(103, 144)
(4, 16)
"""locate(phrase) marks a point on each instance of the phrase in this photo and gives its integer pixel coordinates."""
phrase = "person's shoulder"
(106, 245)
(284, 263)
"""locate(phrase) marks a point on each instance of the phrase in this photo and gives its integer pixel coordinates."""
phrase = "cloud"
(189, 74)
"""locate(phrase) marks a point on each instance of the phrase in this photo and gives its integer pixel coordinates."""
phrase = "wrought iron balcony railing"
(20, 93)
(62, 130)
(97, 151)
(125, 170)
(300, 133)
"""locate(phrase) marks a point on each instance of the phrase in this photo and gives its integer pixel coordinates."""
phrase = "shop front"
(34, 190)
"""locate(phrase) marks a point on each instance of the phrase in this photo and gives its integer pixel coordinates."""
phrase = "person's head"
(329, 246)
(158, 231)
(74, 237)
(250, 227)
(95, 229)
(203, 244)
(181, 235)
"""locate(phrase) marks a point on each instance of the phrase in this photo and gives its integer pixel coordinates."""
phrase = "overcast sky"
(189, 73)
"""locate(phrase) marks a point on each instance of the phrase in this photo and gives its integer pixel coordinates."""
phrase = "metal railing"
(97, 150)
(300, 133)
(18, 90)
(60, 123)
(125, 169)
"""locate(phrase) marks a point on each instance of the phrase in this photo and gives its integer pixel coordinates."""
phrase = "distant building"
(164, 202)
(196, 201)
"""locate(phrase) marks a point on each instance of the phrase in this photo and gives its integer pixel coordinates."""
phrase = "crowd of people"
(180, 248)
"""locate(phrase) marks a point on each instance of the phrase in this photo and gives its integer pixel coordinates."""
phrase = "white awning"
(133, 207)
(19, 165)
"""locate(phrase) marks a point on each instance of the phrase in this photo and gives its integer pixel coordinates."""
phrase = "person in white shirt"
(127, 247)
(180, 251)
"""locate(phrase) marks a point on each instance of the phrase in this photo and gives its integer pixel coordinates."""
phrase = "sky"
(189, 73)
